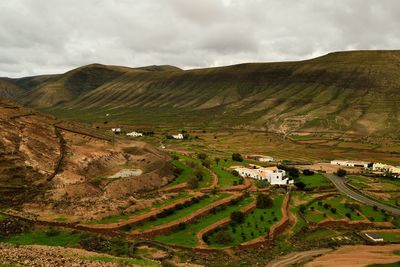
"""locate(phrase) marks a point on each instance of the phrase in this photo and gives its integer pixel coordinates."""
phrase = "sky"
(54, 36)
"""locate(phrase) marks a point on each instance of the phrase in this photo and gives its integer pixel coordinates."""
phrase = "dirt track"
(297, 257)
(357, 256)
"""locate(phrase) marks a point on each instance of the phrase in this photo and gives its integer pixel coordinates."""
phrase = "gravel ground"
(43, 256)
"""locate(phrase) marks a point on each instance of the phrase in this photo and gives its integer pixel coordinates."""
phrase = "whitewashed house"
(386, 168)
(178, 136)
(349, 163)
(134, 134)
(273, 175)
(116, 130)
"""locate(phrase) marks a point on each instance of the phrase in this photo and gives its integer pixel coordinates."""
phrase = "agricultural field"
(257, 223)
(315, 181)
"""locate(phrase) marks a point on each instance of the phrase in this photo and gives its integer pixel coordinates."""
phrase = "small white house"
(116, 130)
(274, 176)
(134, 134)
(178, 136)
(385, 168)
(348, 163)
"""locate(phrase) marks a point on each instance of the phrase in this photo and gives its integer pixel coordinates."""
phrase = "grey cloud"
(41, 36)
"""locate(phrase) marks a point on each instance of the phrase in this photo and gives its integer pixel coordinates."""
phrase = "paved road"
(339, 182)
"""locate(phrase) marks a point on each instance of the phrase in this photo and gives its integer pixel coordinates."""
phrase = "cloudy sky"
(52, 36)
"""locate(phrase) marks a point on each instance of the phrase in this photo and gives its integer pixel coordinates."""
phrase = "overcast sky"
(53, 36)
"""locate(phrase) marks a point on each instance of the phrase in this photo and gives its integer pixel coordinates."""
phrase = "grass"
(257, 223)
(359, 182)
(314, 181)
(225, 178)
(393, 237)
(3, 217)
(187, 237)
(186, 172)
(178, 214)
(319, 234)
(123, 261)
(48, 238)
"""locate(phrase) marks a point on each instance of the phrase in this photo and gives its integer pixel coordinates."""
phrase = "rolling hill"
(353, 92)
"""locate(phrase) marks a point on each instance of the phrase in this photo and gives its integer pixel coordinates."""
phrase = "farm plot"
(314, 181)
(225, 177)
(257, 223)
(187, 236)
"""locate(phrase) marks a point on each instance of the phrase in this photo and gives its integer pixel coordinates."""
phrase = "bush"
(291, 171)
(223, 237)
(333, 210)
(238, 217)
(300, 185)
(182, 226)
(237, 157)
(308, 172)
(202, 156)
(264, 201)
(341, 173)
(235, 173)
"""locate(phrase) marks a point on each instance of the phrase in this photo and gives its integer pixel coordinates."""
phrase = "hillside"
(353, 92)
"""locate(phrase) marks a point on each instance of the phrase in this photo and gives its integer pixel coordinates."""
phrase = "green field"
(178, 214)
(49, 238)
(225, 177)
(187, 237)
(185, 175)
(257, 223)
(314, 181)
(359, 182)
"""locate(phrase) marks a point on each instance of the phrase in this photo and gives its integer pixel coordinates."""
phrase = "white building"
(178, 136)
(134, 134)
(260, 158)
(116, 130)
(273, 175)
(386, 168)
(350, 163)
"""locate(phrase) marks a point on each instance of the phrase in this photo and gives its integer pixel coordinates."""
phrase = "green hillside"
(354, 92)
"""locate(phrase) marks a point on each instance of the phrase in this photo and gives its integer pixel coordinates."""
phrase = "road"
(340, 184)
(297, 257)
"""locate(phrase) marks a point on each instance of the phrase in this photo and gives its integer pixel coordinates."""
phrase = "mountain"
(353, 92)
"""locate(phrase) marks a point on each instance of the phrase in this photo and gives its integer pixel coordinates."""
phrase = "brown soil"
(357, 256)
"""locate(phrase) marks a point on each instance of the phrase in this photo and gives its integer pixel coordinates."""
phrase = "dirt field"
(357, 256)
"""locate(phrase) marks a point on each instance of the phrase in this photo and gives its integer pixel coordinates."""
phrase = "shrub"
(182, 226)
(235, 173)
(202, 156)
(238, 217)
(237, 157)
(300, 185)
(333, 210)
(308, 172)
(223, 237)
(264, 201)
(341, 173)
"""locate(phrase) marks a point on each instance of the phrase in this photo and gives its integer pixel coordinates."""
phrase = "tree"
(237, 157)
(264, 201)
(199, 175)
(300, 185)
(206, 163)
(193, 183)
(235, 173)
(238, 217)
(333, 210)
(223, 237)
(341, 173)
(217, 160)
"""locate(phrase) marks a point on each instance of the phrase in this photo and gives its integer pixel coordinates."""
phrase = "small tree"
(202, 156)
(341, 173)
(237, 157)
(193, 183)
(308, 172)
(333, 210)
(238, 217)
(217, 160)
(300, 185)
(264, 201)
(235, 173)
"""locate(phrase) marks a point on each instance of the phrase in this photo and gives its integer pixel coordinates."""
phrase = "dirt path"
(165, 228)
(297, 257)
(357, 256)
(220, 223)
(139, 218)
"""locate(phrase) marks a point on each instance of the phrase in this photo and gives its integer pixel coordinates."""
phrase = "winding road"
(341, 185)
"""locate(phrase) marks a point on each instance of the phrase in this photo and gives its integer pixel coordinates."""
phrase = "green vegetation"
(226, 178)
(393, 237)
(395, 264)
(3, 217)
(180, 213)
(187, 237)
(257, 223)
(319, 234)
(185, 173)
(124, 261)
(314, 181)
(49, 238)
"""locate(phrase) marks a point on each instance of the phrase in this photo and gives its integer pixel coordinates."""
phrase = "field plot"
(181, 212)
(187, 236)
(257, 223)
(315, 181)
(225, 176)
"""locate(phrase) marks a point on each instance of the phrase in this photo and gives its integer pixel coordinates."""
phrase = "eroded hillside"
(50, 169)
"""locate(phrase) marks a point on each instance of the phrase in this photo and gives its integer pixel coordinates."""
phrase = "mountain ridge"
(356, 91)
